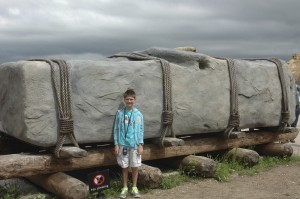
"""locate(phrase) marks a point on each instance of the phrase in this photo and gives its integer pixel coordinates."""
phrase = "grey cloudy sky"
(90, 29)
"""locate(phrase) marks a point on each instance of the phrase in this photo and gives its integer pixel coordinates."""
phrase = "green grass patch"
(115, 185)
(267, 163)
(9, 192)
(225, 167)
(173, 180)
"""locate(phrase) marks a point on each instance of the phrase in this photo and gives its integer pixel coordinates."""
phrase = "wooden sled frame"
(22, 165)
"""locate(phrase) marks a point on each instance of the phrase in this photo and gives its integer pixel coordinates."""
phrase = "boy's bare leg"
(125, 176)
(134, 175)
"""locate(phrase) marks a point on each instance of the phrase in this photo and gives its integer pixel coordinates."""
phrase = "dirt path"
(281, 182)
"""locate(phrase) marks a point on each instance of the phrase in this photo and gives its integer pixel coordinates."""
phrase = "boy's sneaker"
(124, 192)
(135, 192)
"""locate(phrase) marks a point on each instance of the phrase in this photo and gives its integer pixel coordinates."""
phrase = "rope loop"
(66, 126)
(285, 113)
(167, 117)
(234, 120)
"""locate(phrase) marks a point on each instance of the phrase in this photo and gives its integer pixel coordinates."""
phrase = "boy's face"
(129, 102)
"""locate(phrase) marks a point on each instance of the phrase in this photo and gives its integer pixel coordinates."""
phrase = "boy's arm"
(116, 129)
(141, 130)
(141, 134)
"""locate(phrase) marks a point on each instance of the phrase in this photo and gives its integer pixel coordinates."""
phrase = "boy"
(129, 140)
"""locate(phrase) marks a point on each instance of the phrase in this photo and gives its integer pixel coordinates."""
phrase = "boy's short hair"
(129, 92)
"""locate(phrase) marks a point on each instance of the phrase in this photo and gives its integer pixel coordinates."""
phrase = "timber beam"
(22, 165)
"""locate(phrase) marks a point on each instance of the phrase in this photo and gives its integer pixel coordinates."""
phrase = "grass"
(9, 192)
(115, 185)
(225, 169)
(174, 180)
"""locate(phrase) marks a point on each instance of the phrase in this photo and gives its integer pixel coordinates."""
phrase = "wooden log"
(169, 141)
(237, 135)
(199, 165)
(69, 152)
(148, 176)
(62, 185)
(21, 165)
(194, 165)
(274, 149)
(245, 156)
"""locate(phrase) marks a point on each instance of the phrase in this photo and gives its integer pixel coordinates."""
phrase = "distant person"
(297, 112)
(129, 140)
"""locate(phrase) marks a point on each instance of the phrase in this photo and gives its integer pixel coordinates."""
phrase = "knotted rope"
(167, 112)
(234, 119)
(285, 113)
(62, 92)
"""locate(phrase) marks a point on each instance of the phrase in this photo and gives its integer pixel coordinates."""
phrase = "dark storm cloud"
(90, 29)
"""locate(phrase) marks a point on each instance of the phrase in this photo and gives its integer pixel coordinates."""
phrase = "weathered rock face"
(201, 95)
(294, 65)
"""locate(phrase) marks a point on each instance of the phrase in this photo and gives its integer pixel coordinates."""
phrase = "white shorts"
(131, 159)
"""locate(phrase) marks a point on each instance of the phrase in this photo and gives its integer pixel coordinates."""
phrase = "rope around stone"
(234, 119)
(65, 111)
(62, 92)
(285, 113)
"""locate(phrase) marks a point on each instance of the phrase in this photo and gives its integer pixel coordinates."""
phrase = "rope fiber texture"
(62, 92)
(167, 112)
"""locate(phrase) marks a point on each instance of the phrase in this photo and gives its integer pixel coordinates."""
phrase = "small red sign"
(99, 180)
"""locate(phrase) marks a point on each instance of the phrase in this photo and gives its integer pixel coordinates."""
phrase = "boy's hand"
(140, 149)
(117, 150)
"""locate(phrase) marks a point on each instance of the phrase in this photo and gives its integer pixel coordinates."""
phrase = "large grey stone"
(201, 95)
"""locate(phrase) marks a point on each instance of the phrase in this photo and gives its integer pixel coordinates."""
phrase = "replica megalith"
(206, 94)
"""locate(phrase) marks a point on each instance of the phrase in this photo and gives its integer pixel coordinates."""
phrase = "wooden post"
(194, 165)
(169, 141)
(21, 165)
(237, 135)
(246, 156)
(275, 149)
(149, 176)
(69, 152)
(62, 185)
(199, 165)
